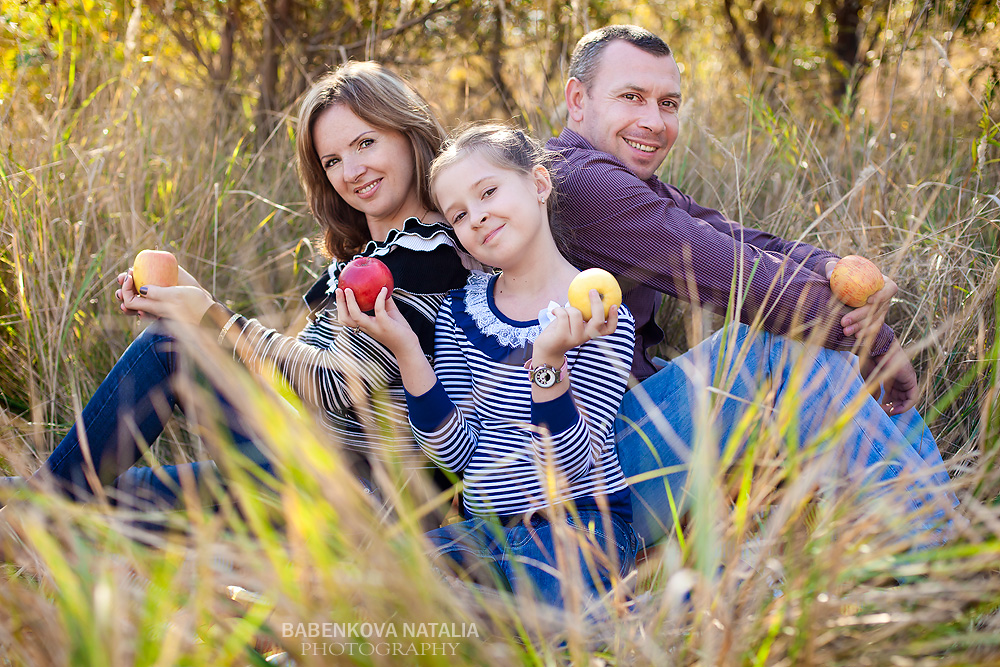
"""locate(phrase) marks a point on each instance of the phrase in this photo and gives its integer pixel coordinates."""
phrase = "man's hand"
(898, 379)
(864, 322)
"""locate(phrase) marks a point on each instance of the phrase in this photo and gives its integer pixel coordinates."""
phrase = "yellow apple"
(602, 281)
(154, 267)
(854, 279)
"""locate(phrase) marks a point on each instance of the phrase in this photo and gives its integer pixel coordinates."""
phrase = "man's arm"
(621, 224)
(807, 255)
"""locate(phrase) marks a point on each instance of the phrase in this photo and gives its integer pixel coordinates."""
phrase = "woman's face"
(370, 168)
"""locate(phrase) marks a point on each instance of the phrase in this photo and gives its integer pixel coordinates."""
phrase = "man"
(623, 97)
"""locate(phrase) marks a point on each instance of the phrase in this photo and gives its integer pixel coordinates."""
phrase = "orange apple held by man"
(855, 279)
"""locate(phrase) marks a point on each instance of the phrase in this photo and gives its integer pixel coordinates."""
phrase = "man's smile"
(645, 148)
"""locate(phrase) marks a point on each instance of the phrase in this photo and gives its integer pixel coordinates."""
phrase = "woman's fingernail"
(143, 290)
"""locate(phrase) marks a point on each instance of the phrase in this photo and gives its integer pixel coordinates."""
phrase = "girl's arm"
(573, 426)
(390, 328)
(446, 430)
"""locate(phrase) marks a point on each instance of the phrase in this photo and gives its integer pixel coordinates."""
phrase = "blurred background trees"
(489, 58)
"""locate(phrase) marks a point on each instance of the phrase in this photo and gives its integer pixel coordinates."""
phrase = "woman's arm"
(327, 365)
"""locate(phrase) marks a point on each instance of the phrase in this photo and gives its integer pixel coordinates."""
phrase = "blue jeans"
(131, 406)
(521, 557)
(702, 396)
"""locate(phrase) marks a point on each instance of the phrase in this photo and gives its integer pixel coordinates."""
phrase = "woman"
(364, 145)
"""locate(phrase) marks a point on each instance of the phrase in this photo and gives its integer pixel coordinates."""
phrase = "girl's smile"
(492, 234)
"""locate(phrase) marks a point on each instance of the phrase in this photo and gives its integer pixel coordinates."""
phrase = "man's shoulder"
(574, 151)
(587, 171)
(585, 166)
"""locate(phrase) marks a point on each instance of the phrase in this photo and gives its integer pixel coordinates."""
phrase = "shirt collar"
(570, 139)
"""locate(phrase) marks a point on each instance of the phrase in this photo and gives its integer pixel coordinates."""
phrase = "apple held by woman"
(365, 276)
(854, 279)
(154, 267)
(605, 284)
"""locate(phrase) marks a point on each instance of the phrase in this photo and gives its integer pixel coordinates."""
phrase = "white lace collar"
(477, 305)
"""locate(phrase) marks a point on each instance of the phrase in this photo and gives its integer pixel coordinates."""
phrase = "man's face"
(630, 110)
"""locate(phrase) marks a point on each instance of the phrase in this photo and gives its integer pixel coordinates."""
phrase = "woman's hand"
(184, 303)
(183, 279)
(387, 326)
(865, 321)
(120, 293)
(569, 330)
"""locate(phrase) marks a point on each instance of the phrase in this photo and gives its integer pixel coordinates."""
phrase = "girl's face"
(498, 214)
(370, 168)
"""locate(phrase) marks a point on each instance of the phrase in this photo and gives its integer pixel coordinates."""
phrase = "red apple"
(605, 284)
(365, 276)
(854, 279)
(154, 267)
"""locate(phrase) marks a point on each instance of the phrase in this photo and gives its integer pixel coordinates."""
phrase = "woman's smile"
(368, 190)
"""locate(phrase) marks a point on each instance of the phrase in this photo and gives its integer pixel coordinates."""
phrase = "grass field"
(116, 156)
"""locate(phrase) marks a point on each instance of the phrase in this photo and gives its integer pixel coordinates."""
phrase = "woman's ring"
(357, 330)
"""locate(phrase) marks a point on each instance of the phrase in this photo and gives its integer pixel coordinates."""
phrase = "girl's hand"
(184, 303)
(864, 322)
(387, 326)
(569, 330)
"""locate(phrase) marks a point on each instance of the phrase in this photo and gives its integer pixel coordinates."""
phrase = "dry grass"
(122, 157)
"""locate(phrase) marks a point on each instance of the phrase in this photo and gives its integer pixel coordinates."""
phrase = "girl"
(520, 402)
(364, 145)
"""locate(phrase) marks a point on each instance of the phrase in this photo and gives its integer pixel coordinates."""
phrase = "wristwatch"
(546, 376)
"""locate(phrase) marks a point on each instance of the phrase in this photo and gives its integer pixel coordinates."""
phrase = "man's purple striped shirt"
(657, 239)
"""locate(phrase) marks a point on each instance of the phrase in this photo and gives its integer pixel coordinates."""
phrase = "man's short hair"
(587, 54)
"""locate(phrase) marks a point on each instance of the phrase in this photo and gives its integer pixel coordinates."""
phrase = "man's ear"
(575, 94)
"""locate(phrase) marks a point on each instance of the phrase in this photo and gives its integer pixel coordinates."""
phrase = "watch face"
(544, 376)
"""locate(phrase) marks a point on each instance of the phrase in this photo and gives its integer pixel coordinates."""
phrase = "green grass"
(123, 157)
